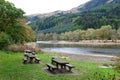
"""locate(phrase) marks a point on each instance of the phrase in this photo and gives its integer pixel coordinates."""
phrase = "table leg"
(63, 66)
(57, 65)
(31, 59)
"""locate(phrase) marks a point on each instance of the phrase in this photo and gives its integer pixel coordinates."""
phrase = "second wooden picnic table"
(30, 57)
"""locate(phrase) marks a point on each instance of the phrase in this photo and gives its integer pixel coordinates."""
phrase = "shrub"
(99, 76)
(4, 40)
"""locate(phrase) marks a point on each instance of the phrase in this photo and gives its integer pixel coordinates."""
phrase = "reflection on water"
(77, 49)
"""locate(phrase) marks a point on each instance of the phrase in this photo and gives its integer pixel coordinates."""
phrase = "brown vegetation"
(21, 48)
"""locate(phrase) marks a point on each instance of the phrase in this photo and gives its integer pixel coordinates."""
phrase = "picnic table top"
(31, 55)
(27, 51)
(59, 61)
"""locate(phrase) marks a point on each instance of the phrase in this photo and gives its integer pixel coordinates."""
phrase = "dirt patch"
(60, 72)
(105, 66)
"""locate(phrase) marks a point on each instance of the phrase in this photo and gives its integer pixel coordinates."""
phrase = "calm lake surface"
(76, 49)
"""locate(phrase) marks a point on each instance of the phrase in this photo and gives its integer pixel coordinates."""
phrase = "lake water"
(76, 49)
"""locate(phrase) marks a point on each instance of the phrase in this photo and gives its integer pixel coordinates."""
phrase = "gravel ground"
(101, 58)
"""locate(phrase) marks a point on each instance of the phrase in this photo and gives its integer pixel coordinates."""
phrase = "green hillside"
(103, 15)
(96, 17)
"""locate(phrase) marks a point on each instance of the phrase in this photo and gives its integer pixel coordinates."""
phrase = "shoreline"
(85, 43)
(91, 57)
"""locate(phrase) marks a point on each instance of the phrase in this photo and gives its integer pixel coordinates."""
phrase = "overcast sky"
(45, 6)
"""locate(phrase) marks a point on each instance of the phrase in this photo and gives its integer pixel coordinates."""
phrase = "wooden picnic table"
(60, 62)
(31, 57)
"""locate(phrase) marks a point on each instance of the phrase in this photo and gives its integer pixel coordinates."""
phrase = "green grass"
(11, 68)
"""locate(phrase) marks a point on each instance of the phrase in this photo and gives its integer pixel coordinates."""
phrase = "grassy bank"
(11, 68)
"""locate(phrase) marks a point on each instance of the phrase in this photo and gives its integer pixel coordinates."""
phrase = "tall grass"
(11, 68)
(21, 48)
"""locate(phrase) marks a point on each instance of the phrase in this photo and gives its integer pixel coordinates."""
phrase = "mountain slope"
(103, 15)
(93, 14)
(94, 3)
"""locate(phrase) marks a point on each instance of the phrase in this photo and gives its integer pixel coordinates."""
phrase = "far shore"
(87, 43)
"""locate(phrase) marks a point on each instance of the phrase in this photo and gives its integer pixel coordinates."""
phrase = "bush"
(99, 76)
(4, 40)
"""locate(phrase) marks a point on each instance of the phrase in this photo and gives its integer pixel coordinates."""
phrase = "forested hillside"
(99, 14)
(103, 15)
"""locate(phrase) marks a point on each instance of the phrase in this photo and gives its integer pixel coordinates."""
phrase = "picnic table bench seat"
(25, 60)
(37, 60)
(51, 67)
(69, 66)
